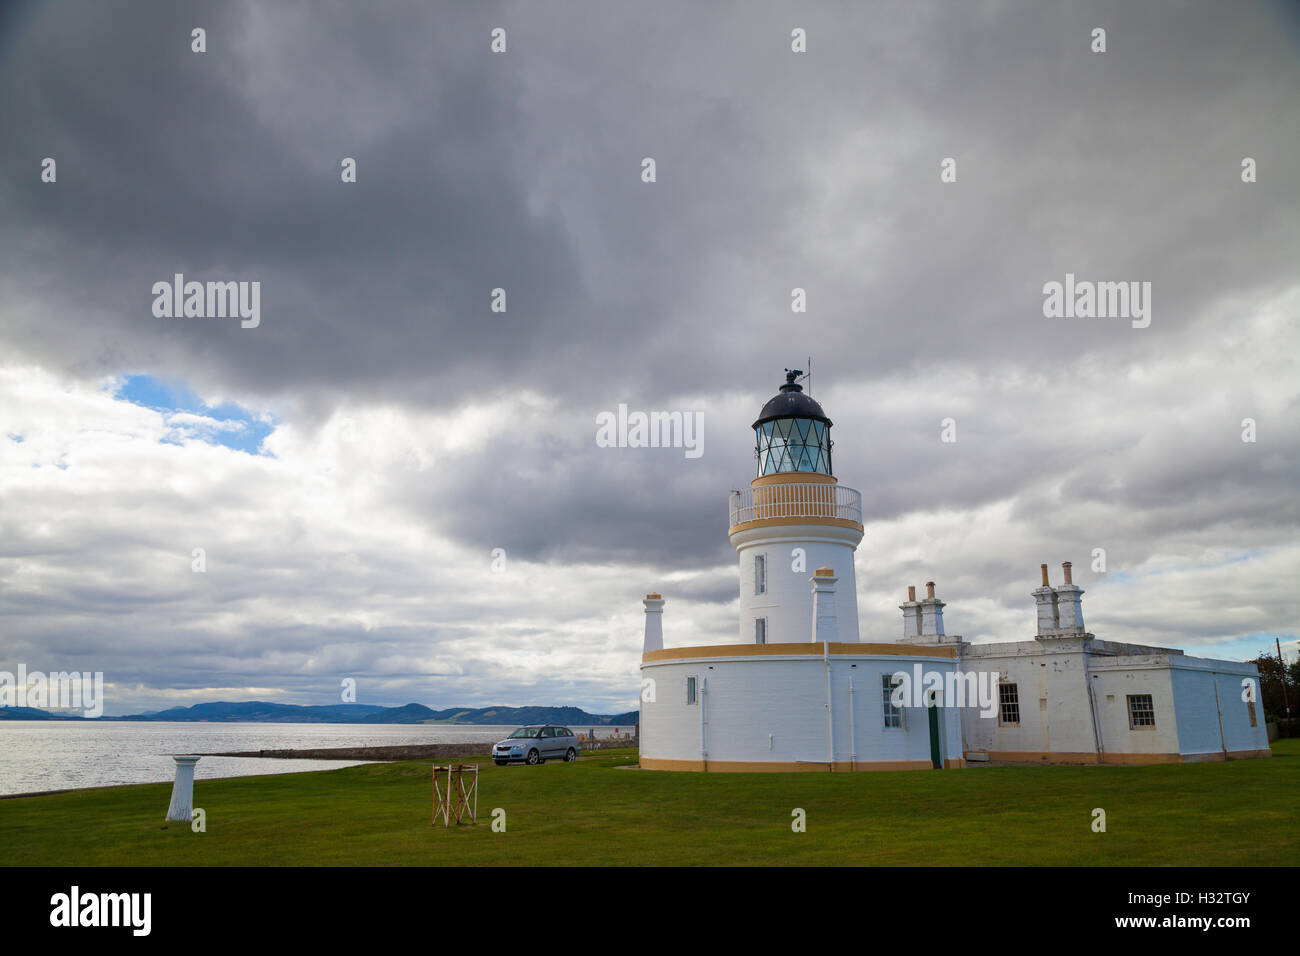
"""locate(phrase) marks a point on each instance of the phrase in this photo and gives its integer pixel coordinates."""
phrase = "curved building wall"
(766, 710)
(787, 601)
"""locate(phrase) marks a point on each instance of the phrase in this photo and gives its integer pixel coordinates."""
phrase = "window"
(1008, 705)
(690, 690)
(893, 715)
(1141, 712)
(760, 575)
(760, 630)
(793, 444)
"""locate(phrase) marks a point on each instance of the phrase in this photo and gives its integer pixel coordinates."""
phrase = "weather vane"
(793, 375)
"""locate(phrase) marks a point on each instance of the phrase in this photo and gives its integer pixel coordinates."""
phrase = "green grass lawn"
(1224, 814)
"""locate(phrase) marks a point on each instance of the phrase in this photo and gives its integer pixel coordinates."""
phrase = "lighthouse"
(800, 691)
(795, 518)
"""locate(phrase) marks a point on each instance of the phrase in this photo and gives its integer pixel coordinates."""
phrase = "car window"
(566, 732)
(552, 732)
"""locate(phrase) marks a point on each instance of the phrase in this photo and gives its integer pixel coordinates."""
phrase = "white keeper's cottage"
(801, 691)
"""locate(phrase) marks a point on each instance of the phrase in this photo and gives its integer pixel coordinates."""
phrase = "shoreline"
(165, 783)
(394, 752)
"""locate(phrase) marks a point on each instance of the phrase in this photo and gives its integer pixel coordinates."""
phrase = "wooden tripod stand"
(451, 796)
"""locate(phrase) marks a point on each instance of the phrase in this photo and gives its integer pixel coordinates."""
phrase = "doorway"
(936, 736)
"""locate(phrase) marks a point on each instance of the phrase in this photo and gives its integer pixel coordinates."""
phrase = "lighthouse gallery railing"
(796, 499)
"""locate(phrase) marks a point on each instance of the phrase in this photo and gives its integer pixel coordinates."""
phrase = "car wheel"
(570, 755)
(534, 757)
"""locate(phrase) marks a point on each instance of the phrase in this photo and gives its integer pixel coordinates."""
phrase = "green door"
(936, 761)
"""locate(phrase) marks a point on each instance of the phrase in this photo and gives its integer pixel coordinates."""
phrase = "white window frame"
(1009, 699)
(692, 691)
(1128, 700)
(891, 715)
(760, 630)
(760, 574)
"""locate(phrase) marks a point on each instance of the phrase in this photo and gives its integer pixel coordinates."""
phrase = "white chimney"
(1069, 602)
(911, 615)
(1046, 601)
(825, 627)
(931, 612)
(654, 623)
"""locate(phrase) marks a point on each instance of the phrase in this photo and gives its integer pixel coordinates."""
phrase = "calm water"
(57, 755)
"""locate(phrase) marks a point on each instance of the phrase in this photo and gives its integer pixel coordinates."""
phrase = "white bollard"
(182, 807)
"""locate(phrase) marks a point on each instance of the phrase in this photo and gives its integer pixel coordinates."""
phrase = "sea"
(40, 755)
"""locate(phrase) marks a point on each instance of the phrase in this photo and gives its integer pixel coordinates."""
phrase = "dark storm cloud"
(168, 165)
(520, 171)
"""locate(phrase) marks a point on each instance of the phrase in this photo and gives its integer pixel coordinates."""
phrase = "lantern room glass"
(793, 445)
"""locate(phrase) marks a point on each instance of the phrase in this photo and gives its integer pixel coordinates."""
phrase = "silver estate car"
(536, 744)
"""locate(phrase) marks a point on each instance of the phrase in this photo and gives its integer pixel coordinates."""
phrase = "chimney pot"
(1043, 568)
(929, 589)
(911, 592)
(1065, 568)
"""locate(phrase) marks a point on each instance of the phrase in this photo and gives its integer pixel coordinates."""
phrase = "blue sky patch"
(1244, 648)
(189, 417)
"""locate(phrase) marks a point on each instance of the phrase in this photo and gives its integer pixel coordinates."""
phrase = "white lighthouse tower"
(795, 519)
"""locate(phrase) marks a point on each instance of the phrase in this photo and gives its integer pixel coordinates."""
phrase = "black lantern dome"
(794, 434)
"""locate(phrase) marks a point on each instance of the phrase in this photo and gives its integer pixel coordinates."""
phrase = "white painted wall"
(1055, 716)
(787, 605)
(1022, 663)
(1114, 680)
(774, 709)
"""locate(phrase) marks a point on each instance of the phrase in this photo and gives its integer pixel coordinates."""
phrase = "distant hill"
(32, 713)
(418, 714)
(266, 712)
(407, 714)
(531, 715)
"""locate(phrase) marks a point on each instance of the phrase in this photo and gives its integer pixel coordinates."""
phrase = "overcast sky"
(350, 466)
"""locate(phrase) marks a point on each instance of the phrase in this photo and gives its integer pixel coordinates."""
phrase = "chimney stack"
(931, 612)
(911, 614)
(1069, 600)
(654, 623)
(1045, 598)
(825, 626)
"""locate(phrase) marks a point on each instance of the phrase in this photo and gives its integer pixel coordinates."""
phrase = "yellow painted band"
(802, 649)
(779, 766)
(777, 522)
(1040, 756)
(794, 478)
